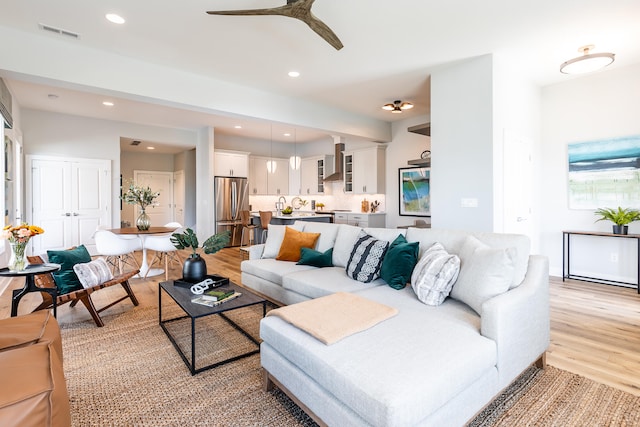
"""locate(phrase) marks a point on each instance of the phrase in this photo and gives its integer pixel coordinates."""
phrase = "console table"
(566, 258)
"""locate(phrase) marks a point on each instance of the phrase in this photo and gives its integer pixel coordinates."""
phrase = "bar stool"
(265, 219)
(245, 217)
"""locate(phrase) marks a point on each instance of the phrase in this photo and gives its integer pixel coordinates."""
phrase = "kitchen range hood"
(338, 160)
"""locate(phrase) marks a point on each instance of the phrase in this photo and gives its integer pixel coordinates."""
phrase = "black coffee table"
(182, 296)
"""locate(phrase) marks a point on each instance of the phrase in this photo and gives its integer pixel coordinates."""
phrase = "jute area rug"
(128, 374)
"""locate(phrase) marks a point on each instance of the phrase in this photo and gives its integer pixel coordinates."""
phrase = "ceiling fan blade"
(298, 9)
(324, 31)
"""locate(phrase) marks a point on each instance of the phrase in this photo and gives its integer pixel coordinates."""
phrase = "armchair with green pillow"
(72, 288)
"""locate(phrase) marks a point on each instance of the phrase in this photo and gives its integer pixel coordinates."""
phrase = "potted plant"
(620, 218)
(143, 197)
(195, 267)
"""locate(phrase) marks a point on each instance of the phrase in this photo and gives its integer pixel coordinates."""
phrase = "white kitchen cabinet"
(341, 218)
(367, 220)
(268, 176)
(231, 163)
(364, 171)
(313, 171)
(257, 176)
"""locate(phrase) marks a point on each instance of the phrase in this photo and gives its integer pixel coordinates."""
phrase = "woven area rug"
(128, 374)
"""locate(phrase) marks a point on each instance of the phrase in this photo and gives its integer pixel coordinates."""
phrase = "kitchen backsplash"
(333, 198)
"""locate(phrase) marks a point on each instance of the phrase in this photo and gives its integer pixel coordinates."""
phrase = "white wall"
(65, 135)
(601, 105)
(462, 144)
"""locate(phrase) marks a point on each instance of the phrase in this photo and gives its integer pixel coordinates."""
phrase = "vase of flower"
(19, 237)
(18, 259)
(143, 222)
(143, 197)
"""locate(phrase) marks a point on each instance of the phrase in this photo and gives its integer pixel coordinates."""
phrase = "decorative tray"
(217, 281)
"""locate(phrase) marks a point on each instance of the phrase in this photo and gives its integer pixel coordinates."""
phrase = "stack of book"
(216, 297)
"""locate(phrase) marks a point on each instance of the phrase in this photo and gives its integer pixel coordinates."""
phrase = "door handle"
(66, 214)
(76, 214)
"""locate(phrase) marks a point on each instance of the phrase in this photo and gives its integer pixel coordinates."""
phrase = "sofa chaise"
(429, 365)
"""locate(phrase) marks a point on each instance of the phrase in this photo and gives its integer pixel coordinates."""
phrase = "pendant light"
(397, 106)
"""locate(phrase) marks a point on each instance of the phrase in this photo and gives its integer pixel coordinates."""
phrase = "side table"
(30, 284)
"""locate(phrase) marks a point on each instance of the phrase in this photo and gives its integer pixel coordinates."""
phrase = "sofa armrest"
(518, 321)
(255, 251)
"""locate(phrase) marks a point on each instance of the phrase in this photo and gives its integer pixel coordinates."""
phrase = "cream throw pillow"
(93, 273)
(484, 273)
(434, 275)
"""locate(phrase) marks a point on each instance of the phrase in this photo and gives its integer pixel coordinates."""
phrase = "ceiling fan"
(298, 9)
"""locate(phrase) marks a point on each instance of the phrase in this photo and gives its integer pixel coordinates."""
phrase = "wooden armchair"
(82, 295)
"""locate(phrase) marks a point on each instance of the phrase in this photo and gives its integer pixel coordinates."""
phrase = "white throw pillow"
(93, 273)
(434, 275)
(275, 236)
(484, 273)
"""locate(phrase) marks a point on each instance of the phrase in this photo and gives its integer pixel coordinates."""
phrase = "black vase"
(194, 269)
(620, 229)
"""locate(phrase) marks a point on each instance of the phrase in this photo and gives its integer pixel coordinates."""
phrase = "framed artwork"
(415, 191)
(604, 173)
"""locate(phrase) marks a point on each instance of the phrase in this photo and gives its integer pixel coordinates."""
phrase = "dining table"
(145, 270)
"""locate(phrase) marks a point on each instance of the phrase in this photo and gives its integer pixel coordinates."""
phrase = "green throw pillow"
(65, 278)
(316, 258)
(399, 261)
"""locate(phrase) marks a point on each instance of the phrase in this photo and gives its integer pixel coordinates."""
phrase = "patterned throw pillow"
(435, 274)
(93, 273)
(366, 258)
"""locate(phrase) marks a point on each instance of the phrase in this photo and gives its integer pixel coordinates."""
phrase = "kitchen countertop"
(297, 215)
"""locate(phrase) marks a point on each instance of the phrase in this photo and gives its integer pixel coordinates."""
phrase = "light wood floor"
(595, 329)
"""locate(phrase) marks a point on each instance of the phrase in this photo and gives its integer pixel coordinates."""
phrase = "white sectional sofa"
(428, 365)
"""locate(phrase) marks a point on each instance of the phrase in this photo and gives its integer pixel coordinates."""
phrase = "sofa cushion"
(399, 262)
(388, 234)
(328, 232)
(453, 240)
(345, 240)
(324, 281)
(65, 278)
(293, 241)
(435, 274)
(484, 273)
(316, 258)
(275, 238)
(420, 357)
(271, 269)
(366, 258)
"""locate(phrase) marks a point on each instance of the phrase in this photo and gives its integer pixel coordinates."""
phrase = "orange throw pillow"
(293, 242)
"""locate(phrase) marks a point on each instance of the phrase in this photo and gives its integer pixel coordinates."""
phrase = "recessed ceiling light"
(151, 148)
(108, 103)
(287, 134)
(294, 74)
(115, 18)
(238, 127)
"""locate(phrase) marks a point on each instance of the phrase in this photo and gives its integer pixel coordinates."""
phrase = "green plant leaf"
(216, 242)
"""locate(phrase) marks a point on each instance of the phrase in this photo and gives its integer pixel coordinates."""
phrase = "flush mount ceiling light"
(108, 103)
(397, 106)
(588, 62)
(115, 18)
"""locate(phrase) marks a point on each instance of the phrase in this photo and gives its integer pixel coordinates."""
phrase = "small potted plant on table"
(195, 267)
(620, 218)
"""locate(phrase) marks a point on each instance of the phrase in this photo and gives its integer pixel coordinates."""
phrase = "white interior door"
(69, 199)
(178, 197)
(161, 212)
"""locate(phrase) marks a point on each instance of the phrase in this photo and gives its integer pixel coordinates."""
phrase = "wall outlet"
(614, 257)
(469, 203)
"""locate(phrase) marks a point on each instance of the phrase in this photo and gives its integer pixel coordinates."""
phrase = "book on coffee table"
(217, 294)
(200, 300)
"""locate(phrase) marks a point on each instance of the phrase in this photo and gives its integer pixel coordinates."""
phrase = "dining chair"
(245, 217)
(164, 249)
(117, 250)
(265, 219)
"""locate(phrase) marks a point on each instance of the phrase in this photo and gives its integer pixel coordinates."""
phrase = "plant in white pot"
(620, 218)
(195, 267)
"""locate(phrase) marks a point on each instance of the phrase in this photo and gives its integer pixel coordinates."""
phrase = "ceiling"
(391, 47)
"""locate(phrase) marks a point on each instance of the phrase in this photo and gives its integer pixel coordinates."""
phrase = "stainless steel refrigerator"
(232, 196)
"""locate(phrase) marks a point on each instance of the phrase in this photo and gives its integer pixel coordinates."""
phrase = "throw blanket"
(334, 317)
